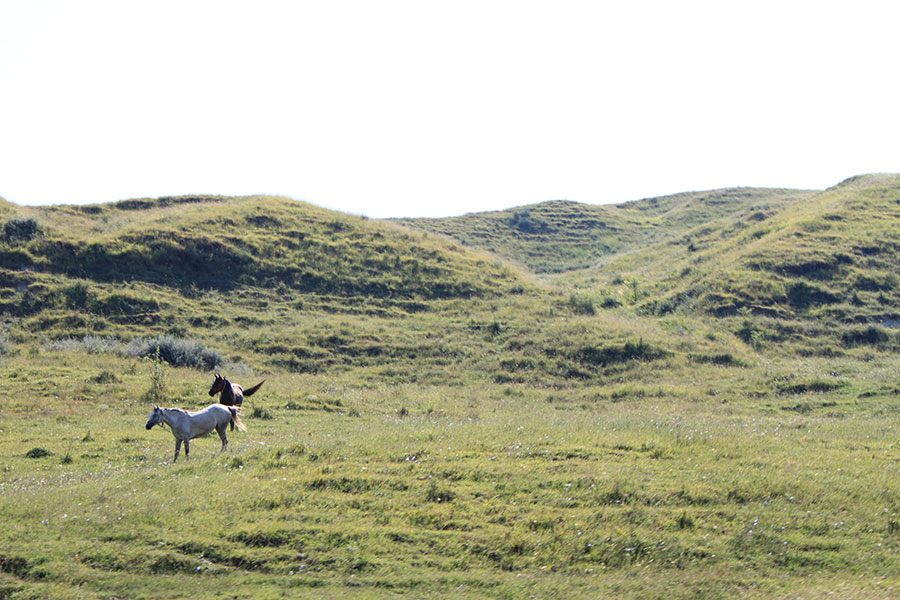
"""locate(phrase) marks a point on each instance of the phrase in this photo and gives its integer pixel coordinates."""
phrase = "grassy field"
(436, 424)
(773, 480)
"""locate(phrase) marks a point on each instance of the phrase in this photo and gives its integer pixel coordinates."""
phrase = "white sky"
(425, 108)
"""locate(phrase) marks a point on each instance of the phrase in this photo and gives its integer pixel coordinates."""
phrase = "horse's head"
(155, 418)
(217, 386)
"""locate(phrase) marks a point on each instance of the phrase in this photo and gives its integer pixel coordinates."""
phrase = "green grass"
(697, 403)
(562, 236)
(485, 490)
(827, 255)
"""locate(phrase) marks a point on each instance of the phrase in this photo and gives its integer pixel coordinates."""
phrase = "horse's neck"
(172, 417)
(227, 391)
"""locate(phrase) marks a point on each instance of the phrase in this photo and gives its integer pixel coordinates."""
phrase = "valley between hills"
(691, 396)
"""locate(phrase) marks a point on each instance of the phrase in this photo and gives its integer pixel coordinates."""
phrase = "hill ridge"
(558, 236)
(793, 256)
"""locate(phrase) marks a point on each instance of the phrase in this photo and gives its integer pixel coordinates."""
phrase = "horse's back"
(205, 420)
(235, 397)
(217, 411)
(238, 392)
(232, 394)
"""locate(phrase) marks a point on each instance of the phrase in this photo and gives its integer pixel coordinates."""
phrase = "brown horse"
(231, 394)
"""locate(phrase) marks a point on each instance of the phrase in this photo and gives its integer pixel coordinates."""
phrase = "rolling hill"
(683, 397)
(273, 281)
(278, 284)
(806, 271)
(561, 236)
(808, 266)
(832, 256)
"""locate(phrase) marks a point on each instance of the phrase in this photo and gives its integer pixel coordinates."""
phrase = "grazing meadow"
(689, 488)
(438, 422)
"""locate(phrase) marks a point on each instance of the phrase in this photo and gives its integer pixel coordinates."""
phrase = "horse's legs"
(187, 449)
(221, 429)
(177, 449)
(237, 402)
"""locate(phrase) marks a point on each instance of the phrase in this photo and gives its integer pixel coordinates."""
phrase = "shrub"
(524, 222)
(816, 387)
(17, 566)
(721, 360)
(175, 351)
(261, 413)
(38, 452)
(76, 295)
(36, 298)
(749, 331)
(20, 229)
(581, 305)
(122, 304)
(802, 295)
(684, 521)
(610, 302)
(105, 376)
(871, 335)
(593, 355)
(92, 344)
(157, 390)
(438, 494)
(876, 284)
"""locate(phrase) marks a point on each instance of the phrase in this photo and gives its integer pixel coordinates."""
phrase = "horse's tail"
(236, 418)
(251, 391)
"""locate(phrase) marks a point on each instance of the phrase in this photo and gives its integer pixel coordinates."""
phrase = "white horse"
(187, 425)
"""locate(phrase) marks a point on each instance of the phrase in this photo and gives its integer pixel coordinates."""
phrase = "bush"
(720, 360)
(594, 355)
(38, 452)
(122, 304)
(581, 305)
(817, 386)
(157, 390)
(871, 335)
(261, 413)
(76, 295)
(438, 494)
(749, 331)
(177, 352)
(105, 376)
(524, 222)
(92, 344)
(802, 295)
(610, 302)
(20, 229)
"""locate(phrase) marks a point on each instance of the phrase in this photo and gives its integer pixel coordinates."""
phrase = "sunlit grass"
(687, 421)
(503, 490)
